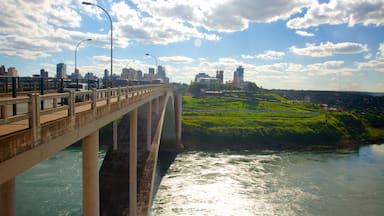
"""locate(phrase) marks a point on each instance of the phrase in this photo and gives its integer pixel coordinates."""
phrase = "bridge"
(144, 118)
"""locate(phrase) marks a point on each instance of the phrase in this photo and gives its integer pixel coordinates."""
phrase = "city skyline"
(319, 45)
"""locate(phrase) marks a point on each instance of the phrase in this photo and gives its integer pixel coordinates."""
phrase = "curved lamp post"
(110, 20)
(147, 54)
(77, 46)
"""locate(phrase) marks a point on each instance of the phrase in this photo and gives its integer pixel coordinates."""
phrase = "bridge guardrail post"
(54, 102)
(118, 96)
(71, 103)
(4, 112)
(34, 116)
(108, 95)
(94, 99)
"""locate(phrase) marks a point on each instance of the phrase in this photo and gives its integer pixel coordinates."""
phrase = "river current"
(229, 183)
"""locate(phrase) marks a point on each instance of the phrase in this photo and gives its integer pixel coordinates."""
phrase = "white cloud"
(304, 33)
(222, 15)
(270, 55)
(137, 25)
(176, 59)
(329, 49)
(380, 51)
(35, 29)
(367, 12)
(266, 55)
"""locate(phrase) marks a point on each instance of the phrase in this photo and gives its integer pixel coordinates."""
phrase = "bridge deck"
(15, 126)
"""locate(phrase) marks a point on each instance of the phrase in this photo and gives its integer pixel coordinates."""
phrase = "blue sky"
(295, 44)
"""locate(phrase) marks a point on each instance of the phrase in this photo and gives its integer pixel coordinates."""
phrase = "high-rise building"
(131, 74)
(3, 71)
(77, 74)
(161, 72)
(61, 71)
(106, 74)
(151, 71)
(220, 76)
(12, 72)
(43, 73)
(238, 75)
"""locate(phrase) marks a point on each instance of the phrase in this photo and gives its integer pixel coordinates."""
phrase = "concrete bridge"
(144, 119)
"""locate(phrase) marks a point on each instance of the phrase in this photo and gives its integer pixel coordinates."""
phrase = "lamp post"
(77, 46)
(157, 69)
(110, 20)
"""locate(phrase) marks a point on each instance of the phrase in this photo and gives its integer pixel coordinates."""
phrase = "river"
(229, 183)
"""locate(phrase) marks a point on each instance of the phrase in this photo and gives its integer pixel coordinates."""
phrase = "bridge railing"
(70, 101)
(35, 125)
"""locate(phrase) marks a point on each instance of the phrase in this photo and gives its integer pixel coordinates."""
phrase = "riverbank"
(212, 123)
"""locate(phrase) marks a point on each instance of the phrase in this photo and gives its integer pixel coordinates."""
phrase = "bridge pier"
(149, 125)
(8, 198)
(133, 163)
(114, 125)
(91, 174)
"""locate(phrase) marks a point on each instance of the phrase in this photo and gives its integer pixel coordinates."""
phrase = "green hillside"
(269, 121)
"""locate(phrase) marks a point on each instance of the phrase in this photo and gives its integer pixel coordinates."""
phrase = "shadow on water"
(164, 161)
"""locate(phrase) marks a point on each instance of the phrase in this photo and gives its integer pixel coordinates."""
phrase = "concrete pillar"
(114, 135)
(8, 198)
(91, 175)
(149, 125)
(133, 163)
(157, 106)
(177, 106)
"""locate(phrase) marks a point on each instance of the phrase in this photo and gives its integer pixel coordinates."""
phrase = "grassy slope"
(280, 127)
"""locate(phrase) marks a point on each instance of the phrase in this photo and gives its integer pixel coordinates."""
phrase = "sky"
(281, 44)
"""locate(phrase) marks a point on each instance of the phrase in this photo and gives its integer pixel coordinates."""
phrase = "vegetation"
(266, 120)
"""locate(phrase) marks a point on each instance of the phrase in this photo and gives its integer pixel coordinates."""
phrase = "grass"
(233, 103)
(312, 125)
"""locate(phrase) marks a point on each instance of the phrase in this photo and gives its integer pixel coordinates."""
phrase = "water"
(230, 183)
(53, 187)
(254, 183)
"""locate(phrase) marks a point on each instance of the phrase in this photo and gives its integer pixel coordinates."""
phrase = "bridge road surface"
(24, 124)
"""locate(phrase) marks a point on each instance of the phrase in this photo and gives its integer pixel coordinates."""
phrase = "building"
(201, 76)
(131, 74)
(3, 71)
(106, 74)
(90, 76)
(43, 73)
(61, 71)
(238, 75)
(77, 74)
(151, 71)
(12, 72)
(220, 76)
(161, 73)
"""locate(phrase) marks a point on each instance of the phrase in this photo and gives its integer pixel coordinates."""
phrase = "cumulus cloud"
(380, 52)
(368, 12)
(34, 29)
(266, 55)
(176, 59)
(304, 33)
(222, 16)
(329, 49)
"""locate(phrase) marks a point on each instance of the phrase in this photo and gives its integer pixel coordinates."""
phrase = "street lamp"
(157, 69)
(77, 46)
(110, 20)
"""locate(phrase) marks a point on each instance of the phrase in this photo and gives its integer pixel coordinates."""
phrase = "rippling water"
(230, 183)
(254, 183)
(53, 187)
